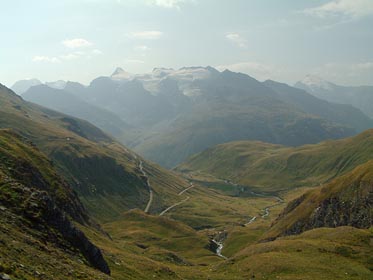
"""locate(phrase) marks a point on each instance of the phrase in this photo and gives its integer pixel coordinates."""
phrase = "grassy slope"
(168, 249)
(274, 167)
(340, 253)
(25, 164)
(146, 246)
(31, 196)
(176, 245)
(25, 256)
(104, 173)
(347, 200)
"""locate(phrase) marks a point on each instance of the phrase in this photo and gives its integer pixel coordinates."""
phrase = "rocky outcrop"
(33, 191)
(336, 211)
(43, 213)
(346, 201)
(58, 220)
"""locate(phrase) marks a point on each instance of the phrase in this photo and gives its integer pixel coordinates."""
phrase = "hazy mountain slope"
(345, 201)
(274, 167)
(360, 97)
(339, 113)
(67, 103)
(22, 86)
(104, 174)
(129, 100)
(231, 107)
(176, 113)
(33, 196)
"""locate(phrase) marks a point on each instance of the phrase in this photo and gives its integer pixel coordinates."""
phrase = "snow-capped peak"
(120, 74)
(312, 81)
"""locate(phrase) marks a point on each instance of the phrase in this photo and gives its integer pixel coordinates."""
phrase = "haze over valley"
(186, 139)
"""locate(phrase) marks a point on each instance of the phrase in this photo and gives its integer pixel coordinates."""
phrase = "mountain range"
(77, 204)
(168, 115)
(358, 96)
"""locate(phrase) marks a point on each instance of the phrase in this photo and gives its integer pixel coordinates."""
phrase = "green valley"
(224, 214)
(269, 167)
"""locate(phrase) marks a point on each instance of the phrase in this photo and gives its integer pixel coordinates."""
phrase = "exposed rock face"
(333, 212)
(58, 220)
(32, 190)
(43, 213)
(347, 201)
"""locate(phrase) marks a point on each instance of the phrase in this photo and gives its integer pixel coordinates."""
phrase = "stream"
(219, 249)
(266, 209)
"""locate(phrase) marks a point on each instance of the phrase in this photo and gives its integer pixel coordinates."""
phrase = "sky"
(285, 40)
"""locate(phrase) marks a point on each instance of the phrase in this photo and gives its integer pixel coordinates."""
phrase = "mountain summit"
(314, 82)
(121, 74)
(360, 97)
(22, 86)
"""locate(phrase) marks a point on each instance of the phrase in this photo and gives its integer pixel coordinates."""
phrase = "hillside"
(87, 175)
(339, 113)
(22, 86)
(176, 113)
(39, 207)
(359, 96)
(105, 175)
(345, 201)
(63, 101)
(324, 253)
(269, 167)
(232, 106)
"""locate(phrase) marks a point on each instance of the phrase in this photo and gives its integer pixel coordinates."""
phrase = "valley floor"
(177, 243)
(214, 231)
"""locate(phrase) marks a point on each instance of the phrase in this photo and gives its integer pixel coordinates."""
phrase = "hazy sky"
(283, 40)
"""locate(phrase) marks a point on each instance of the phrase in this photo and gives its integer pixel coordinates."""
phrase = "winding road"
(180, 202)
(251, 221)
(174, 205)
(266, 209)
(183, 191)
(149, 204)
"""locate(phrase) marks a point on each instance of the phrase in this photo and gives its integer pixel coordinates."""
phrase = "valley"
(181, 236)
(186, 140)
(242, 209)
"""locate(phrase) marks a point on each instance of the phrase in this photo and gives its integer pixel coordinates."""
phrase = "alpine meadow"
(186, 139)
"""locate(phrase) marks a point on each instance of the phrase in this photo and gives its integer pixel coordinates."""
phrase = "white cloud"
(146, 35)
(81, 54)
(96, 52)
(346, 8)
(364, 66)
(41, 58)
(141, 48)
(169, 4)
(68, 56)
(76, 43)
(237, 39)
(258, 70)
